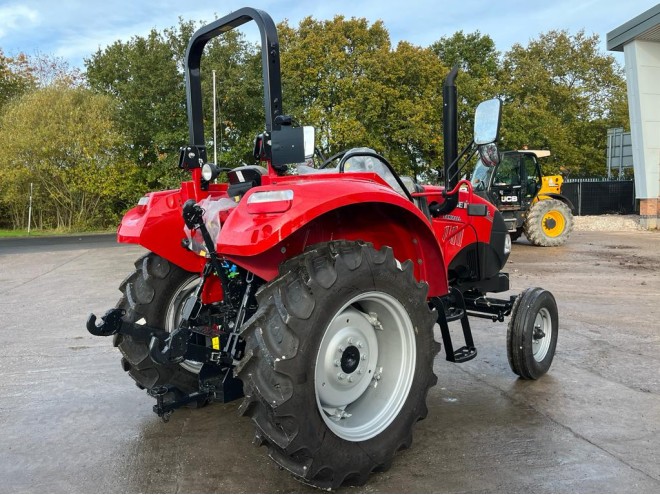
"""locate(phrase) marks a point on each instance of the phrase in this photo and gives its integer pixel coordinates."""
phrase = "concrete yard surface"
(71, 420)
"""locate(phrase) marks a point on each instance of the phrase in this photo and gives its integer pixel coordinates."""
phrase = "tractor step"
(465, 353)
(452, 308)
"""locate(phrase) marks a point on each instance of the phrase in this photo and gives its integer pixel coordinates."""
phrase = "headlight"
(210, 171)
(507, 244)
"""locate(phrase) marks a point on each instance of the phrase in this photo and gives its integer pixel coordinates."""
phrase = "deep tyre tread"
(283, 339)
(519, 335)
(147, 293)
(533, 226)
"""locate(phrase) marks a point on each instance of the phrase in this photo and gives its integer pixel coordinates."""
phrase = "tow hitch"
(112, 323)
(216, 378)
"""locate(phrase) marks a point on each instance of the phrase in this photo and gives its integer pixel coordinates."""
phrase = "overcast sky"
(74, 29)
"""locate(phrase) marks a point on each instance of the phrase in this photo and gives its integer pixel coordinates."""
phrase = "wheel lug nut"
(341, 376)
(359, 344)
(350, 379)
(337, 362)
(360, 371)
(341, 348)
(364, 357)
(350, 340)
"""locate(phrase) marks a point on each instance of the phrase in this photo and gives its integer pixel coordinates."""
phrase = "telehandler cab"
(313, 296)
(530, 202)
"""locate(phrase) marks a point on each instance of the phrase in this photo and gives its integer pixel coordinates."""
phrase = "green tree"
(16, 77)
(343, 77)
(64, 141)
(239, 97)
(146, 76)
(561, 93)
(142, 75)
(479, 67)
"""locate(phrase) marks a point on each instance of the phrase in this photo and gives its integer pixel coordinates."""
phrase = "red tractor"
(313, 295)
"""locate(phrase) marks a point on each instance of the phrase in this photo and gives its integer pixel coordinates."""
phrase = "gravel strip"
(607, 223)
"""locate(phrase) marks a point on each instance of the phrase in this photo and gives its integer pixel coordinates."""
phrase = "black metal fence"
(600, 196)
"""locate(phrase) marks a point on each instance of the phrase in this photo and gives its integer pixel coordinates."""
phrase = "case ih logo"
(453, 234)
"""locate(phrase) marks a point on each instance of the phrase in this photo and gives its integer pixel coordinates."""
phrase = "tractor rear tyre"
(549, 223)
(154, 295)
(531, 337)
(338, 363)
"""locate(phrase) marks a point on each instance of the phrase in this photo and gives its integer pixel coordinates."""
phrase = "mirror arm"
(470, 148)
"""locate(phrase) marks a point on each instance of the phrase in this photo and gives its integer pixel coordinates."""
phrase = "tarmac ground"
(72, 421)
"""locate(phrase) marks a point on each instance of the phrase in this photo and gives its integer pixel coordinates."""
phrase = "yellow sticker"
(215, 342)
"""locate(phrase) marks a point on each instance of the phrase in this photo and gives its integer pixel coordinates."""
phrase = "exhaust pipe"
(450, 138)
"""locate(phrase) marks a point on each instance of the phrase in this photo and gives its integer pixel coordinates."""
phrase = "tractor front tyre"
(154, 295)
(339, 361)
(549, 223)
(531, 337)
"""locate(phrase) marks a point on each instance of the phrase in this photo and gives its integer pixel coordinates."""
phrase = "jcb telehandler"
(313, 295)
(530, 202)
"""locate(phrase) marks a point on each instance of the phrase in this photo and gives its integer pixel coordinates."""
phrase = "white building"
(639, 40)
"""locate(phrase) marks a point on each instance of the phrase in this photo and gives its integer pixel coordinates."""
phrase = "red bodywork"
(350, 206)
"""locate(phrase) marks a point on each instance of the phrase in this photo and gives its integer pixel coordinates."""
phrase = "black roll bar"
(270, 61)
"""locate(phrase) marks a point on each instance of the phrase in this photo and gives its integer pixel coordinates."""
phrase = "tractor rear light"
(143, 201)
(270, 201)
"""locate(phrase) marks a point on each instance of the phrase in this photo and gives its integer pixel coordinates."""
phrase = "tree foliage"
(142, 76)
(16, 77)
(344, 77)
(103, 146)
(562, 94)
(478, 62)
(64, 141)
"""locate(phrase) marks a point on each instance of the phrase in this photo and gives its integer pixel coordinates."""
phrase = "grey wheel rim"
(173, 316)
(541, 334)
(365, 366)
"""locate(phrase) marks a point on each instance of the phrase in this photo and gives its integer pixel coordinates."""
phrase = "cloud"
(75, 29)
(15, 17)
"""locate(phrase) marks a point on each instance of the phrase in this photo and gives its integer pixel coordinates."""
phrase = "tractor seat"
(242, 179)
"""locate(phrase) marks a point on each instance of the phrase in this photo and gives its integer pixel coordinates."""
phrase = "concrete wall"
(642, 59)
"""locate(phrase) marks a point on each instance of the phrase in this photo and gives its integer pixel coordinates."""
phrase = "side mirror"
(489, 154)
(487, 121)
(308, 136)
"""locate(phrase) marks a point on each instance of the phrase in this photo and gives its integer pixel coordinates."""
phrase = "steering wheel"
(334, 157)
(346, 156)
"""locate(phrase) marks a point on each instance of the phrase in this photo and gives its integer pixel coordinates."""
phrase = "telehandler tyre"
(548, 223)
(531, 337)
(338, 364)
(155, 293)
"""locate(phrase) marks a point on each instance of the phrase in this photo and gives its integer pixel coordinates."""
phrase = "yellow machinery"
(530, 202)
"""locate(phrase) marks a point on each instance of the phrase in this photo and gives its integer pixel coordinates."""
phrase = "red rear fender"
(157, 225)
(330, 210)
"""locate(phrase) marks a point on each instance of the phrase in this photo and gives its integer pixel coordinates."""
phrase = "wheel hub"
(350, 359)
(553, 223)
(365, 366)
(541, 335)
(343, 372)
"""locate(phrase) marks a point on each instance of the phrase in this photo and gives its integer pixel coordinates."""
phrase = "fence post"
(580, 198)
(30, 210)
